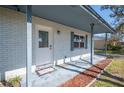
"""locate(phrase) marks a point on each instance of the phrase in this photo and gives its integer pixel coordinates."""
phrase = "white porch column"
(106, 43)
(29, 46)
(91, 48)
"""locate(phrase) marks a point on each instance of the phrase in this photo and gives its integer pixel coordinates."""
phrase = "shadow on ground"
(113, 79)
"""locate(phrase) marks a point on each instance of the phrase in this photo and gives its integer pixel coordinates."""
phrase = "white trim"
(18, 72)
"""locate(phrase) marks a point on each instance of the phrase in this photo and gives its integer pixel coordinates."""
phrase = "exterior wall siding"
(13, 41)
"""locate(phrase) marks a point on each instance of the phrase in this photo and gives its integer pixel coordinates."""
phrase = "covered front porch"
(62, 73)
(93, 23)
(79, 17)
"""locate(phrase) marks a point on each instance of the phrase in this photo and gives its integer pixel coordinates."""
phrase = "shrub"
(116, 48)
(113, 48)
(15, 81)
(122, 51)
(109, 46)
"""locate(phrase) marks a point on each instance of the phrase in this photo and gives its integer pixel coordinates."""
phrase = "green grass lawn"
(108, 52)
(103, 51)
(113, 76)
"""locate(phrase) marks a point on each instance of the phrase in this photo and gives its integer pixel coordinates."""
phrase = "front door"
(44, 45)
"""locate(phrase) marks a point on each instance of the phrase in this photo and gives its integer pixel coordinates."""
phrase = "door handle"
(50, 46)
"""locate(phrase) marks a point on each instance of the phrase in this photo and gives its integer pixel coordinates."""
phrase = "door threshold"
(43, 66)
(44, 69)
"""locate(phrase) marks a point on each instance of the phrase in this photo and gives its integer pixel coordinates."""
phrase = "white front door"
(44, 46)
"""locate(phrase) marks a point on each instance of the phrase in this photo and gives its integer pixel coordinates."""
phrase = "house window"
(43, 39)
(78, 41)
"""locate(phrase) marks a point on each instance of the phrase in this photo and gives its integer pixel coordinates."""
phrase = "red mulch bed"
(84, 78)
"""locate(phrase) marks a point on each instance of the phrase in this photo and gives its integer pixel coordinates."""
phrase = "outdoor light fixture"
(58, 32)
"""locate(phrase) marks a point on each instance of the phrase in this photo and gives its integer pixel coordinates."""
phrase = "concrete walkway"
(62, 73)
(86, 78)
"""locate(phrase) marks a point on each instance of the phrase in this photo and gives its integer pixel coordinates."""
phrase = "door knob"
(50, 46)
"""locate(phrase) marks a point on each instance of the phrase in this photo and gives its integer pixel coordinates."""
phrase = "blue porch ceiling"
(73, 16)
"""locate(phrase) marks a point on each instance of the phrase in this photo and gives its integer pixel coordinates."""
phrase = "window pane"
(76, 38)
(76, 45)
(79, 41)
(81, 45)
(43, 39)
(81, 38)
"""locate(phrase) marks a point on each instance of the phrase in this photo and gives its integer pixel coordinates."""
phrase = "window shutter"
(72, 44)
(86, 41)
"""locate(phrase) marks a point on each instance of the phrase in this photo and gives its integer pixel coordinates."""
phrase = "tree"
(120, 31)
(117, 12)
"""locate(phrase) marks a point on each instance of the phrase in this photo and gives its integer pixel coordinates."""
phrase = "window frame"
(78, 41)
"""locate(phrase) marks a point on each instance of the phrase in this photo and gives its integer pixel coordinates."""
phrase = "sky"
(104, 14)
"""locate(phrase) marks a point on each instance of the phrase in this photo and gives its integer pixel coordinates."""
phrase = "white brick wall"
(13, 40)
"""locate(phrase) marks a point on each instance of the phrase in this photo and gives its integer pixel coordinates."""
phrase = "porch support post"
(91, 48)
(29, 46)
(106, 43)
(2, 75)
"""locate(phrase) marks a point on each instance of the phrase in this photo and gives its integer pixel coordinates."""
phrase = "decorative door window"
(43, 39)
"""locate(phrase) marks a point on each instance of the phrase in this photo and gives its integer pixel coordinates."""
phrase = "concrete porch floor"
(62, 73)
